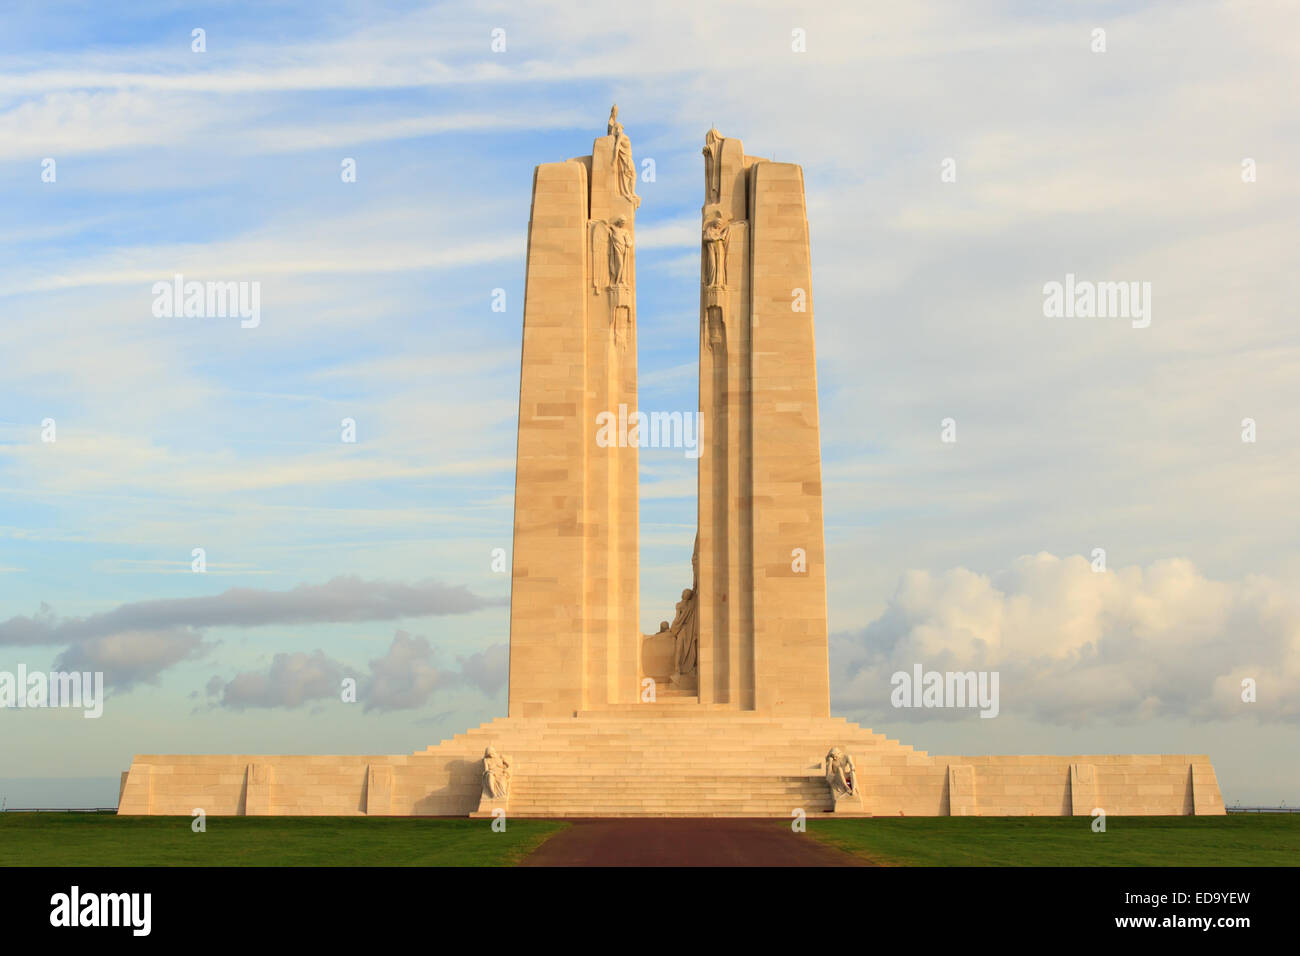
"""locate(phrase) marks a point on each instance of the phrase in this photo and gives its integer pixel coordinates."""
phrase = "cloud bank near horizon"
(137, 642)
(1075, 646)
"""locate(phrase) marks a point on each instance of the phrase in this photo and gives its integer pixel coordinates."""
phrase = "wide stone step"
(672, 746)
(782, 737)
(585, 810)
(753, 757)
(666, 727)
(678, 785)
(737, 805)
(710, 714)
(669, 729)
(668, 787)
(640, 743)
(728, 813)
(741, 801)
(695, 744)
(733, 769)
(657, 718)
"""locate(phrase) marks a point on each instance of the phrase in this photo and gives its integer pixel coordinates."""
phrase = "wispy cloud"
(345, 598)
(406, 677)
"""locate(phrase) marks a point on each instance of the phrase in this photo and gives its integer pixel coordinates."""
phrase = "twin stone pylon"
(740, 718)
(751, 633)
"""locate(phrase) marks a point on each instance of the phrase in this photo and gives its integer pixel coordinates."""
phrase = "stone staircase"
(674, 757)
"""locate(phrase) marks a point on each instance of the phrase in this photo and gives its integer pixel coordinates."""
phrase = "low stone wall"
(666, 759)
(1119, 784)
(251, 785)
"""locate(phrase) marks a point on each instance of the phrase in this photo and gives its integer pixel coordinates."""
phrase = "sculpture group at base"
(840, 774)
(685, 628)
(496, 775)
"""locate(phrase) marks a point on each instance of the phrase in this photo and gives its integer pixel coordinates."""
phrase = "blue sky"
(1073, 434)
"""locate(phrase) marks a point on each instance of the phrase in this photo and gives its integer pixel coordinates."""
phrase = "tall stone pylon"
(762, 576)
(574, 630)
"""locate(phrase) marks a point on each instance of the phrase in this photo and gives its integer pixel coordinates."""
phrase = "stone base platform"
(670, 760)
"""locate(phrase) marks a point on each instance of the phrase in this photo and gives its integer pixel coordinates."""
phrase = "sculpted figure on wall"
(840, 774)
(620, 252)
(717, 240)
(611, 271)
(686, 625)
(685, 628)
(624, 168)
(496, 775)
(611, 255)
(716, 243)
(712, 166)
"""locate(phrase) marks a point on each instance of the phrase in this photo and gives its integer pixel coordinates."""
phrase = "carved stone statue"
(840, 774)
(685, 628)
(712, 166)
(613, 268)
(624, 168)
(686, 625)
(717, 240)
(496, 775)
(620, 251)
(611, 271)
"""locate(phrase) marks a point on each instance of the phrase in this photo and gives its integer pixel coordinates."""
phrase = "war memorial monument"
(725, 711)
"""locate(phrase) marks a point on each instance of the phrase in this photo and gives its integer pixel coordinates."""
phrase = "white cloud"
(1073, 645)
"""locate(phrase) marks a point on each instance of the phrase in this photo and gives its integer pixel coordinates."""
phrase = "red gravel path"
(658, 841)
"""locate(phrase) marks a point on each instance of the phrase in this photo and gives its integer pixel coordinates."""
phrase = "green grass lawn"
(90, 839)
(86, 839)
(1233, 840)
